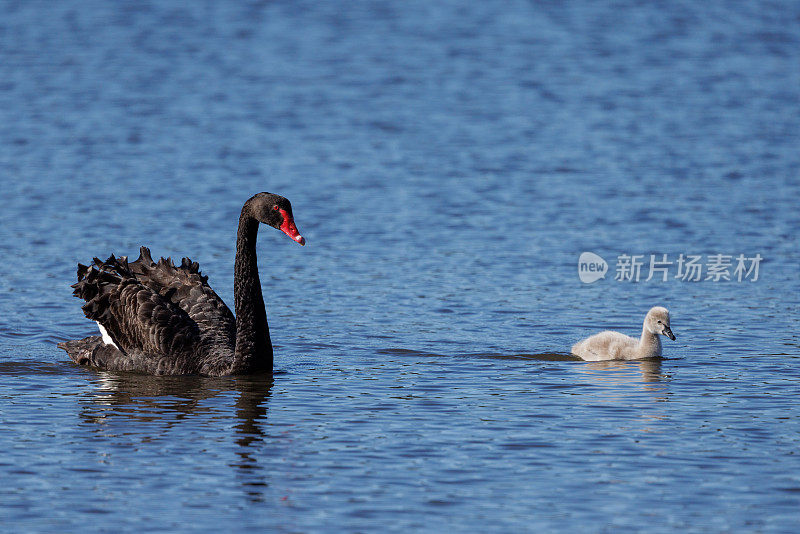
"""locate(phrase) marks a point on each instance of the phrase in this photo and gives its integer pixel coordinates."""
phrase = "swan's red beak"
(288, 227)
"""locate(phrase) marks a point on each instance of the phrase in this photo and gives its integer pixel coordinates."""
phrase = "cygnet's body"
(610, 345)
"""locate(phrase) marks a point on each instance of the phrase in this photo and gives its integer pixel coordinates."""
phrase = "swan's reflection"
(251, 413)
(170, 401)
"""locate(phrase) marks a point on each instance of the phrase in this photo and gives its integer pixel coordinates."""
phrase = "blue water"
(447, 162)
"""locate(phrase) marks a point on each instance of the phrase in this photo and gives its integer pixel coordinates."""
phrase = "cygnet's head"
(657, 322)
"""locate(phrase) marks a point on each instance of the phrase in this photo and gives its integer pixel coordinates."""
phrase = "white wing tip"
(106, 338)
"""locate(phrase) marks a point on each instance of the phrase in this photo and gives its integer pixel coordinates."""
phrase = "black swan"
(161, 319)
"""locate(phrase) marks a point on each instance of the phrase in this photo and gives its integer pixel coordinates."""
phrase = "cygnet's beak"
(667, 332)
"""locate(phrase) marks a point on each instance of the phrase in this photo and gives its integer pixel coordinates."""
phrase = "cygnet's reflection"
(649, 368)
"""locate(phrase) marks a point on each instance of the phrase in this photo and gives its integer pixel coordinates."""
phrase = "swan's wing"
(186, 287)
(140, 322)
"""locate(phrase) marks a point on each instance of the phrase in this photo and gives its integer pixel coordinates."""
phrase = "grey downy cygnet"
(611, 345)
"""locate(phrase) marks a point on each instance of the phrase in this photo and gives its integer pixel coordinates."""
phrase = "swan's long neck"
(253, 347)
(649, 344)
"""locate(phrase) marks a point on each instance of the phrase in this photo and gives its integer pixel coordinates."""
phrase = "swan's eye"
(275, 208)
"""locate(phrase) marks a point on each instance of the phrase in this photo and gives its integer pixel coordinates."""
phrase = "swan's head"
(275, 211)
(657, 322)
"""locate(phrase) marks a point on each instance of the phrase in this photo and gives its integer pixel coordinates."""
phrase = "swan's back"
(159, 318)
(188, 288)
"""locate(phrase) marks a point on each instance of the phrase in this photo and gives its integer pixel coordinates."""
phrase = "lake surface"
(447, 162)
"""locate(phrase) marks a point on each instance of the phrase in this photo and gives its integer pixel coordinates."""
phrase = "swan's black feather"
(189, 290)
(161, 317)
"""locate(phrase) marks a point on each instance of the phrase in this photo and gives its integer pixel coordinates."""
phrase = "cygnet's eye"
(659, 322)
